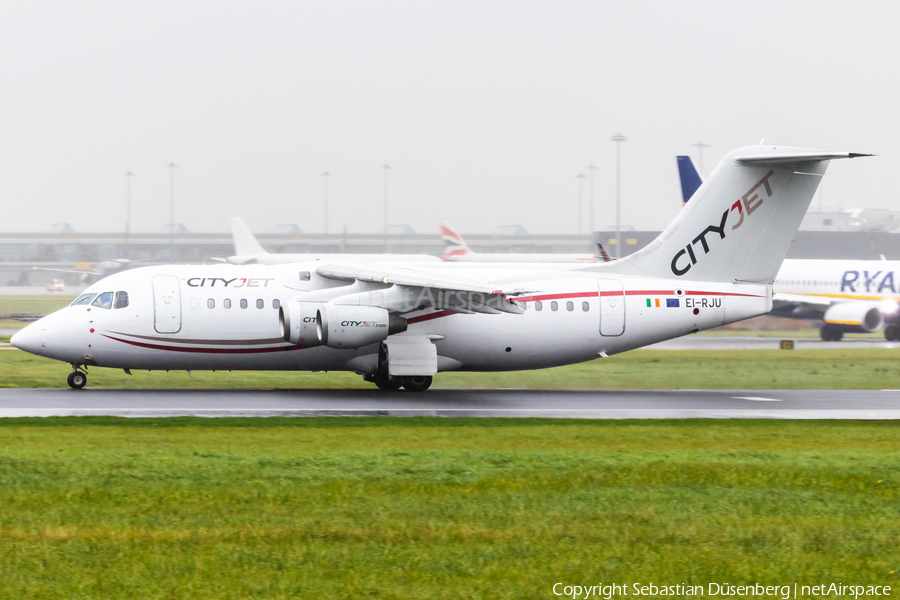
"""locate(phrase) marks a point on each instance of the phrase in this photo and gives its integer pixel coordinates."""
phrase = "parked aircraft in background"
(398, 324)
(456, 250)
(247, 250)
(848, 296)
(94, 271)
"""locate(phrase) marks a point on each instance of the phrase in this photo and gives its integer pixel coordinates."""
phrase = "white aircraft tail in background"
(248, 250)
(245, 243)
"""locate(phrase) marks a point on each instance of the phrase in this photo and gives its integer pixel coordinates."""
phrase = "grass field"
(867, 368)
(42, 305)
(431, 508)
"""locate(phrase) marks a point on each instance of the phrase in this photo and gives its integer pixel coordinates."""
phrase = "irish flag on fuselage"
(669, 303)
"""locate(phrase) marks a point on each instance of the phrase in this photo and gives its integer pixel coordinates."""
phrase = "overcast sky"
(485, 111)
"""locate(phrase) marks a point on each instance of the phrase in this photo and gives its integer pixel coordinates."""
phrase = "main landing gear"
(830, 333)
(415, 383)
(77, 378)
(892, 333)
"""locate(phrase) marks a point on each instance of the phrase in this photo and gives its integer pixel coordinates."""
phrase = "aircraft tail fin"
(454, 245)
(245, 243)
(690, 178)
(740, 222)
(601, 253)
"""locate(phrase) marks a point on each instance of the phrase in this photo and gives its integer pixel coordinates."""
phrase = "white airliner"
(456, 250)
(398, 324)
(849, 296)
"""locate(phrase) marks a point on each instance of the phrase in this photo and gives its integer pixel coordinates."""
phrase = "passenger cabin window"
(211, 303)
(585, 306)
(304, 275)
(243, 303)
(83, 299)
(260, 303)
(570, 306)
(276, 303)
(104, 300)
(554, 306)
(538, 306)
(226, 303)
(195, 303)
(121, 300)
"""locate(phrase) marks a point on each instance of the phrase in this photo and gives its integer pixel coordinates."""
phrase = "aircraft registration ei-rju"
(398, 324)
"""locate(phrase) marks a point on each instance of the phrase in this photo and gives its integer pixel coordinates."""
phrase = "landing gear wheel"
(830, 333)
(388, 383)
(892, 333)
(417, 383)
(77, 380)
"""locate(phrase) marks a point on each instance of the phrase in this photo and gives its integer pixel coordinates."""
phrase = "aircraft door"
(166, 304)
(612, 307)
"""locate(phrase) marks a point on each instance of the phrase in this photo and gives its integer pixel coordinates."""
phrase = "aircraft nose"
(28, 339)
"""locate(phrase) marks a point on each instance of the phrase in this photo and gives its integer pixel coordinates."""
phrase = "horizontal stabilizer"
(783, 158)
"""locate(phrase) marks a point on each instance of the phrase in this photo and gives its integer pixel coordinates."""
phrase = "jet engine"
(298, 322)
(855, 317)
(350, 327)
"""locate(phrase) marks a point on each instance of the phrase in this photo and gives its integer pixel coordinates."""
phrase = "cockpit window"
(83, 299)
(104, 300)
(121, 300)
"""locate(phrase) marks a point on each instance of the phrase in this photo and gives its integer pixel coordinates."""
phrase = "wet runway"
(708, 342)
(627, 404)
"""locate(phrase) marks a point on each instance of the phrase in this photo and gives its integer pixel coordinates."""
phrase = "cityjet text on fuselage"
(234, 282)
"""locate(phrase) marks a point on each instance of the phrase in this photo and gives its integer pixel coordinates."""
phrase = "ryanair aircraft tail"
(740, 222)
(689, 177)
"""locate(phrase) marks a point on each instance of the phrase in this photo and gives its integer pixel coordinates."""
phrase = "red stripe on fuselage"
(446, 313)
(208, 350)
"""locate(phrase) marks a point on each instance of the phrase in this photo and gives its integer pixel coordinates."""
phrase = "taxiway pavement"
(709, 342)
(617, 404)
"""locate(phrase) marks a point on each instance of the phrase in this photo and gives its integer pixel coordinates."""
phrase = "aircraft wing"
(437, 292)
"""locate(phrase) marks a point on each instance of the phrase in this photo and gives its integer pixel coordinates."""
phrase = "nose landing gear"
(77, 378)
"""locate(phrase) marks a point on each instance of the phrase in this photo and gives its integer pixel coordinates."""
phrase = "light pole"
(325, 177)
(701, 146)
(591, 169)
(580, 178)
(618, 139)
(386, 167)
(128, 177)
(172, 167)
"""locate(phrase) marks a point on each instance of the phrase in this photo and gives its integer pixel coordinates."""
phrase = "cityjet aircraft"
(399, 324)
(456, 250)
(849, 296)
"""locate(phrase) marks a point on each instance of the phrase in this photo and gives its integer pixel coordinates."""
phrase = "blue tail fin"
(690, 178)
